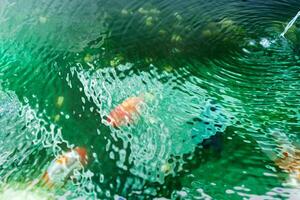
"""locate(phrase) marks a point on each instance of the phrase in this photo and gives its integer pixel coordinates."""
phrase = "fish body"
(63, 167)
(126, 112)
(290, 163)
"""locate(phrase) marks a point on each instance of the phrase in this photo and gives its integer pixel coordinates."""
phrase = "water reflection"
(158, 140)
(222, 83)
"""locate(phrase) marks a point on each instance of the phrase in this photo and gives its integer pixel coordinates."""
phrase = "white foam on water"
(264, 42)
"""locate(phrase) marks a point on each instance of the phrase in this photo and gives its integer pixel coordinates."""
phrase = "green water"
(222, 83)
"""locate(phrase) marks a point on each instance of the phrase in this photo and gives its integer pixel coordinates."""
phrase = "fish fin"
(46, 180)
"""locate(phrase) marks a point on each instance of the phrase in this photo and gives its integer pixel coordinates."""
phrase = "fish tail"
(45, 180)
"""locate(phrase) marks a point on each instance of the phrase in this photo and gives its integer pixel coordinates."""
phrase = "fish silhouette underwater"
(129, 110)
(126, 112)
(63, 167)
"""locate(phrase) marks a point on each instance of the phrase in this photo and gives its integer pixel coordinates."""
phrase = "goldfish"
(287, 156)
(62, 167)
(290, 162)
(126, 112)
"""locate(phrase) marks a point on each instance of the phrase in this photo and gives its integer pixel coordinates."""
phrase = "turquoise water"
(222, 98)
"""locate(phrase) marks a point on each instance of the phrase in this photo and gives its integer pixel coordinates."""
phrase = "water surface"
(224, 97)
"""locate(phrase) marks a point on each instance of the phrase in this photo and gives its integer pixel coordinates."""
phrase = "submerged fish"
(127, 112)
(288, 157)
(63, 167)
(290, 162)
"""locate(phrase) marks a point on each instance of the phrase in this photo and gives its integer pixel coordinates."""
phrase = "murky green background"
(223, 82)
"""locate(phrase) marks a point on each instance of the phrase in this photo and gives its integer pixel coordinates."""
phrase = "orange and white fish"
(126, 112)
(288, 157)
(62, 167)
(291, 163)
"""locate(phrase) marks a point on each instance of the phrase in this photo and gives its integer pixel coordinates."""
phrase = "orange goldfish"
(290, 163)
(126, 112)
(63, 166)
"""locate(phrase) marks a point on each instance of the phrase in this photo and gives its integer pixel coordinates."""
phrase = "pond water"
(219, 117)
